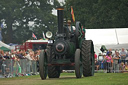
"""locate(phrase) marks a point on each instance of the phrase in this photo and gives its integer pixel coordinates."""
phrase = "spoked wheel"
(88, 58)
(78, 64)
(43, 70)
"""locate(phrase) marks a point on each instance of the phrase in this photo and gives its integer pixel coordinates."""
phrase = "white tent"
(115, 38)
(5, 45)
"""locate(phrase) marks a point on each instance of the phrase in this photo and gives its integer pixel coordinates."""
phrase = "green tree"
(100, 13)
(17, 14)
(110, 14)
(83, 10)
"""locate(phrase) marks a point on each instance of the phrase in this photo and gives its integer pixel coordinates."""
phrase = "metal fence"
(25, 67)
(112, 67)
(13, 68)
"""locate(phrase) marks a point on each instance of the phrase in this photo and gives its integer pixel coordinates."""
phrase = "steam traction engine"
(69, 51)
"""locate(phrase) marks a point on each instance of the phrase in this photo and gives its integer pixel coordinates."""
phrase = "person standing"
(116, 58)
(123, 55)
(97, 65)
(109, 51)
(104, 63)
(95, 56)
(108, 58)
(126, 59)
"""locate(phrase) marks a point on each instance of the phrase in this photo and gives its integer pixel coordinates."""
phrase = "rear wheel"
(43, 65)
(78, 64)
(77, 33)
(53, 71)
(88, 58)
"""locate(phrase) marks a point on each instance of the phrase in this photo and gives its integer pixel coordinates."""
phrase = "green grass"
(70, 79)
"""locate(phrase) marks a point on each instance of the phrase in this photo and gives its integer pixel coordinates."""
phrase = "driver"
(71, 28)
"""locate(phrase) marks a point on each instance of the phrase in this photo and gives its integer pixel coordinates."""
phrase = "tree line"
(100, 13)
(18, 14)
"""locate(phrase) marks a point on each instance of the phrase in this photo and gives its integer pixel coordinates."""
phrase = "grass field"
(70, 79)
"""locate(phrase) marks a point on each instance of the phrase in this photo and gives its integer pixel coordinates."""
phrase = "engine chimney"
(60, 19)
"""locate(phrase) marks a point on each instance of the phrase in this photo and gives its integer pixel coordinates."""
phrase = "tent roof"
(3, 44)
(4, 48)
(108, 36)
(118, 46)
(115, 38)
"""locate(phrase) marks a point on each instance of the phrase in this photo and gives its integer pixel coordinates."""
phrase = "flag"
(2, 26)
(43, 36)
(34, 36)
(72, 13)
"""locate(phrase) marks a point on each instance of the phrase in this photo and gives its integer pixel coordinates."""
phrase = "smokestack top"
(60, 8)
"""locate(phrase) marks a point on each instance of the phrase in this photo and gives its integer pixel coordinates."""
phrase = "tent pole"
(116, 37)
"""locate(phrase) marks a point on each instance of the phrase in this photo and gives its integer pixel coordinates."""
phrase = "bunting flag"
(2, 26)
(72, 13)
(43, 36)
(34, 36)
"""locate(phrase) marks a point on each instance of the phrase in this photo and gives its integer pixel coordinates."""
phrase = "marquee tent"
(115, 38)
(4, 49)
(5, 45)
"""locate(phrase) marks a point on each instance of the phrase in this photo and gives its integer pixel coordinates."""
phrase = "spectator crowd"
(17, 57)
(113, 61)
(20, 54)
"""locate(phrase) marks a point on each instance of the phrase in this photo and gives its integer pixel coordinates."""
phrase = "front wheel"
(78, 64)
(43, 70)
(53, 71)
